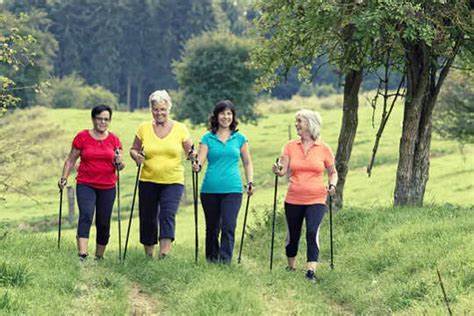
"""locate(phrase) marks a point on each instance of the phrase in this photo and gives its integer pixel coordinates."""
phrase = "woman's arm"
(248, 166)
(281, 167)
(201, 157)
(332, 175)
(136, 151)
(68, 165)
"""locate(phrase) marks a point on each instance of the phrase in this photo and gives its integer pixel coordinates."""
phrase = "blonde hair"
(160, 96)
(314, 122)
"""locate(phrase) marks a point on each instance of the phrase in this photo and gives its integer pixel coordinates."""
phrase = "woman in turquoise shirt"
(221, 191)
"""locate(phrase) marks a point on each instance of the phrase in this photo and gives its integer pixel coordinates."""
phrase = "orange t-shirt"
(307, 172)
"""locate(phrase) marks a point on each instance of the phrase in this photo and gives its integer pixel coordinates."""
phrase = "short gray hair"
(159, 96)
(314, 122)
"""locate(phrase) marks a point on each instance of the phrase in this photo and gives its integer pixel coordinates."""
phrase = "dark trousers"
(102, 201)
(313, 215)
(220, 211)
(158, 205)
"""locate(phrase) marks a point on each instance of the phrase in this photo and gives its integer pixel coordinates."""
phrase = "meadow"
(386, 258)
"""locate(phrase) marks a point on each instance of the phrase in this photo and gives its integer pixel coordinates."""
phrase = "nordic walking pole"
(330, 232)
(243, 228)
(195, 200)
(117, 153)
(131, 210)
(274, 216)
(60, 216)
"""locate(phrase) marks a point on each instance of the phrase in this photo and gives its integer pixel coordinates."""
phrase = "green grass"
(386, 258)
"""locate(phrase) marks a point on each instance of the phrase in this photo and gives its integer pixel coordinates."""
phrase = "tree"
(302, 34)
(421, 38)
(214, 67)
(23, 60)
(454, 116)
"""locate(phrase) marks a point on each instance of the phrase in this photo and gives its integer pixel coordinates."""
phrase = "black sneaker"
(290, 269)
(82, 257)
(162, 256)
(99, 258)
(310, 276)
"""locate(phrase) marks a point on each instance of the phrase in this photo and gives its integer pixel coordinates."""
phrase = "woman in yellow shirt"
(162, 177)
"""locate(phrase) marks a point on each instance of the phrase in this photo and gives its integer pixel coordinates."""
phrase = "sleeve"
(286, 150)
(118, 143)
(78, 141)
(185, 133)
(205, 139)
(329, 158)
(141, 132)
(243, 140)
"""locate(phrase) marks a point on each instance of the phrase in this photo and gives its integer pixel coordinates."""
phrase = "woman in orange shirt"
(306, 159)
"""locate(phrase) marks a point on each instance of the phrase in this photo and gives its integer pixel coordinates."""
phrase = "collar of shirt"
(317, 142)
(232, 135)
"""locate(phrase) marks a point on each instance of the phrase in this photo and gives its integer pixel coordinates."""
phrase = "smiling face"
(160, 112)
(302, 125)
(225, 118)
(101, 121)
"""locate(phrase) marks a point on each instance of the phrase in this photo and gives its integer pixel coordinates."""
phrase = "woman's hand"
(138, 156)
(250, 188)
(196, 165)
(118, 160)
(277, 169)
(332, 190)
(62, 183)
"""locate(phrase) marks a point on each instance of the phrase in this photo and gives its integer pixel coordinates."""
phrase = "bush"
(214, 67)
(454, 115)
(324, 90)
(72, 92)
(306, 90)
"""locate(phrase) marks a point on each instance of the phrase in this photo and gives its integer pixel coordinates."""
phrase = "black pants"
(313, 214)
(158, 205)
(221, 212)
(102, 201)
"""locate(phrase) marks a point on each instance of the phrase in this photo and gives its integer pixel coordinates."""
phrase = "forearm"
(248, 168)
(68, 165)
(333, 179)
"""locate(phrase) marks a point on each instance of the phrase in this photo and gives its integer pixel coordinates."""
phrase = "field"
(386, 258)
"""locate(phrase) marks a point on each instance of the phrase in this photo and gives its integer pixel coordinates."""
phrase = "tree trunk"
(139, 94)
(129, 93)
(417, 65)
(352, 83)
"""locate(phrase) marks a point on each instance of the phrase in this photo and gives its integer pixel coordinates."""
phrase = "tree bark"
(423, 86)
(417, 65)
(352, 83)
(129, 94)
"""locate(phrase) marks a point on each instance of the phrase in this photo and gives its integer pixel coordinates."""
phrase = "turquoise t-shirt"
(223, 173)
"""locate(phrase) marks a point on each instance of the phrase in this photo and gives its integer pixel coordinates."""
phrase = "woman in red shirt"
(306, 159)
(101, 153)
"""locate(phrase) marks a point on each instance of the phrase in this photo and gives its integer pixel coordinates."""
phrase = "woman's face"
(101, 121)
(160, 112)
(301, 125)
(225, 118)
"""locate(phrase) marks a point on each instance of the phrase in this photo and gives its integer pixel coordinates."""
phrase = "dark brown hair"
(218, 108)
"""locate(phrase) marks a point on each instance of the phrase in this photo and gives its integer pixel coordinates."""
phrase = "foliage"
(32, 49)
(72, 91)
(14, 54)
(214, 67)
(454, 116)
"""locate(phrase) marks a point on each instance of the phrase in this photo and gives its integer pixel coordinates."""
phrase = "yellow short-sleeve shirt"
(163, 156)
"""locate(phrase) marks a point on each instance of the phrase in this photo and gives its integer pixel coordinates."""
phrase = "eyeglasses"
(102, 119)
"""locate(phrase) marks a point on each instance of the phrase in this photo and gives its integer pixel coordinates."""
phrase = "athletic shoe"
(290, 269)
(310, 276)
(99, 258)
(82, 257)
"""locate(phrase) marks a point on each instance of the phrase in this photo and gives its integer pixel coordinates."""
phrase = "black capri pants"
(100, 200)
(313, 215)
(158, 207)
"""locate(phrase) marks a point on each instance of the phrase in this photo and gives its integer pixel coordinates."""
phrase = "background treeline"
(128, 46)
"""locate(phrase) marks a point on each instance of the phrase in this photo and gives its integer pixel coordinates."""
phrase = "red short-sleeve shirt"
(97, 167)
(307, 172)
